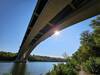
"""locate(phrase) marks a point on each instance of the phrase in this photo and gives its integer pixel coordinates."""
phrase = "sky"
(14, 19)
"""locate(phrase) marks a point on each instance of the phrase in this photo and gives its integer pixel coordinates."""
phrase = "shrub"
(92, 66)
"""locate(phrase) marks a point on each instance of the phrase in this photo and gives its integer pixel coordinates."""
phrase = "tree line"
(8, 56)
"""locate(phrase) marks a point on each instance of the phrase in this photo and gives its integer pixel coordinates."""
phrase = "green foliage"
(7, 56)
(92, 65)
(45, 58)
(90, 48)
(96, 35)
(69, 68)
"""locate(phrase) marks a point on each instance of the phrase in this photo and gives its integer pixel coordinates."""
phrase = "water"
(30, 68)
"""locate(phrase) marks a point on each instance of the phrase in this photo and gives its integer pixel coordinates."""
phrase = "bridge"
(51, 15)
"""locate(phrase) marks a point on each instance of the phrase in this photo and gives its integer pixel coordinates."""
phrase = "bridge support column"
(22, 57)
(20, 61)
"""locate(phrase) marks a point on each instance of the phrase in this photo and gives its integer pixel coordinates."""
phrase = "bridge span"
(51, 15)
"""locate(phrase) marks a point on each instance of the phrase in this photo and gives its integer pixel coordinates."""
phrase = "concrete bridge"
(51, 15)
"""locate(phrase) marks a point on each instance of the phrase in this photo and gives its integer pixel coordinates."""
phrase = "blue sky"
(67, 41)
(14, 18)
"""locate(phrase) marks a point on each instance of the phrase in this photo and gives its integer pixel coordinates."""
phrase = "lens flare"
(56, 33)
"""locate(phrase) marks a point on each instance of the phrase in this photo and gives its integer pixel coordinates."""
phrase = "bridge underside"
(51, 15)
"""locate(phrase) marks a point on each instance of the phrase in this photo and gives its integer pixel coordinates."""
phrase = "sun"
(56, 33)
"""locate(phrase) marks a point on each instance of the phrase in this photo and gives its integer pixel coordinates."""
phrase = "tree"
(96, 35)
(65, 55)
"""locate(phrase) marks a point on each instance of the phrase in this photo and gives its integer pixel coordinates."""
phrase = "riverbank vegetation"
(8, 56)
(86, 58)
(45, 59)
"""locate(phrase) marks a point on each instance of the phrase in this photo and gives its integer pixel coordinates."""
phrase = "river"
(29, 68)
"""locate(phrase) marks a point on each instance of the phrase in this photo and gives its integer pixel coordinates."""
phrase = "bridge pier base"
(21, 57)
(20, 61)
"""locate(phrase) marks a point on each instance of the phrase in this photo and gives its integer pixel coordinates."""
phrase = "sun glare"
(56, 33)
